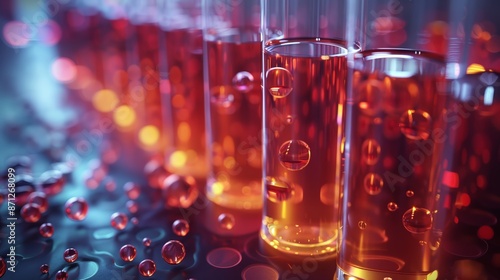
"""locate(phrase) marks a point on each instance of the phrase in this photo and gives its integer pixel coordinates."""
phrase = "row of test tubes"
(365, 131)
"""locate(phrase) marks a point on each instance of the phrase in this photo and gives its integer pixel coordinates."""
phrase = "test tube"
(305, 64)
(398, 185)
(233, 102)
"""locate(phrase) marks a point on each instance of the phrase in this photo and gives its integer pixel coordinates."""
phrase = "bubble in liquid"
(294, 155)
(76, 208)
(132, 190)
(173, 252)
(409, 193)
(370, 151)
(61, 275)
(226, 221)
(44, 268)
(179, 191)
(146, 241)
(119, 220)
(243, 81)
(134, 221)
(392, 206)
(52, 181)
(289, 119)
(277, 190)
(279, 82)
(3, 267)
(147, 268)
(46, 230)
(371, 96)
(31, 213)
(222, 96)
(128, 252)
(40, 199)
(132, 206)
(362, 224)
(373, 183)
(155, 173)
(415, 125)
(180, 227)
(70, 255)
(417, 220)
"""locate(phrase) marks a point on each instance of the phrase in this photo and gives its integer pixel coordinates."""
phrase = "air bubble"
(277, 190)
(370, 151)
(362, 224)
(31, 213)
(294, 155)
(40, 199)
(44, 268)
(226, 221)
(180, 227)
(373, 183)
(76, 208)
(132, 190)
(243, 81)
(417, 220)
(415, 125)
(222, 96)
(279, 82)
(392, 206)
(132, 206)
(410, 193)
(173, 252)
(128, 252)
(61, 275)
(147, 268)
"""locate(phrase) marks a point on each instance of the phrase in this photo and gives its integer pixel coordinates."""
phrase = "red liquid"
(184, 104)
(303, 91)
(395, 206)
(234, 79)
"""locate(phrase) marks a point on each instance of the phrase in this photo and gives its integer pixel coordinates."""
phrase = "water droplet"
(243, 81)
(40, 199)
(279, 82)
(61, 275)
(415, 125)
(52, 182)
(180, 227)
(392, 206)
(76, 208)
(3, 267)
(289, 119)
(147, 268)
(134, 221)
(409, 193)
(417, 220)
(294, 155)
(109, 184)
(222, 96)
(46, 230)
(70, 255)
(146, 241)
(119, 220)
(370, 151)
(362, 224)
(173, 252)
(31, 213)
(155, 173)
(132, 206)
(132, 190)
(226, 221)
(373, 183)
(128, 252)
(25, 185)
(179, 191)
(44, 268)
(277, 190)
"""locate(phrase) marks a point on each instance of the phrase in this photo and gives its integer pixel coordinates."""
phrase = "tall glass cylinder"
(182, 92)
(398, 185)
(233, 108)
(304, 89)
(473, 242)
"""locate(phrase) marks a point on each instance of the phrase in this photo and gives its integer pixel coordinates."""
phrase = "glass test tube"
(305, 67)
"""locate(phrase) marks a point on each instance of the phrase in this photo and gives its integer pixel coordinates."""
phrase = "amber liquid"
(304, 90)
(473, 242)
(395, 205)
(234, 101)
(184, 104)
